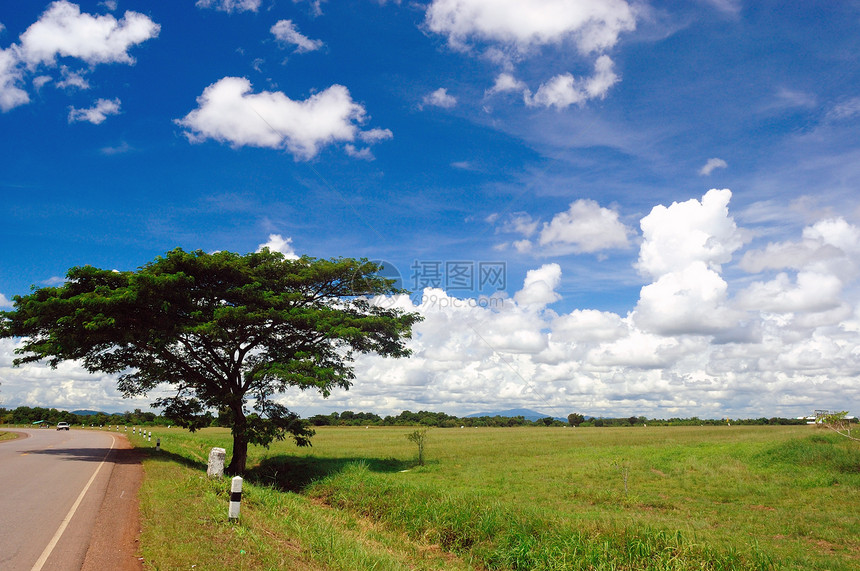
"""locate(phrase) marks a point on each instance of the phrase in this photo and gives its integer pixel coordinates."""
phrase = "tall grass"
(613, 498)
(500, 537)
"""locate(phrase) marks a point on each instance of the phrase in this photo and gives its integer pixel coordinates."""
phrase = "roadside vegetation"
(696, 497)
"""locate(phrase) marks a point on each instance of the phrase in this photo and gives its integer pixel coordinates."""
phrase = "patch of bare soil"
(114, 544)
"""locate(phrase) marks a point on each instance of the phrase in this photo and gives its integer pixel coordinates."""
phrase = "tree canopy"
(227, 331)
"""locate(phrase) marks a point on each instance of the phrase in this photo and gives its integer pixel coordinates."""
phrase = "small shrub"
(419, 437)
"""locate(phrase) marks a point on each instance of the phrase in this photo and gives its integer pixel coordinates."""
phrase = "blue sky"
(543, 167)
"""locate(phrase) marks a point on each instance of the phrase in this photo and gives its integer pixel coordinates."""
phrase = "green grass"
(526, 498)
(8, 436)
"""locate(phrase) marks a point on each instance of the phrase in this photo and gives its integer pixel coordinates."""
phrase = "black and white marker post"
(235, 498)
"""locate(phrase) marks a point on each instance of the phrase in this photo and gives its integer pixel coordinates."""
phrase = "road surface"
(53, 484)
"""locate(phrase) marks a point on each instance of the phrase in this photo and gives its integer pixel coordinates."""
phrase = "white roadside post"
(216, 462)
(235, 498)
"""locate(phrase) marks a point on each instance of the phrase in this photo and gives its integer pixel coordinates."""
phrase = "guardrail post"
(235, 498)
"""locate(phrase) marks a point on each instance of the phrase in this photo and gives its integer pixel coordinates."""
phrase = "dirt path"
(114, 543)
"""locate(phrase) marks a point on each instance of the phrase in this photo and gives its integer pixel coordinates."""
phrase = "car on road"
(63, 426)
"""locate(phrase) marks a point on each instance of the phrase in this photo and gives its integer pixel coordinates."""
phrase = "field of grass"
(757, 497)
(7, 435)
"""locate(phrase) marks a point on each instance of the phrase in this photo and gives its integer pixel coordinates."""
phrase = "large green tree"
(228, 332)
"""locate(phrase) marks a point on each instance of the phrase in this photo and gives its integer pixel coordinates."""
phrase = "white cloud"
(506, 82)
(315, 5)
(712, 165)
(588, 325)
(812, 292)
(373, 136)
(5, 302)
(230, 6)
(683, 248)
(592, 25)
(823, 261)
(697, 342)
(97, 113)
(686, 232)
(228, 112)
(521, 223)
(539, 287)
(11, 77)
(688, 301)
(286, 31)
(830, 246)
(845, 110)
(364, 153)
(440, 98)
(64, 31)
(72, 79)
(565, 90)
(119, 149)
(585, 227)
(732, 7)
(278, 243)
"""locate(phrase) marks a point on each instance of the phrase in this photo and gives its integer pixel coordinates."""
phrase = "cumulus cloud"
(829, 246)
(11, 78)
(565, 90)
(509, 30)
(539, 287)
(687, 232)
(230, 6)
(506, 82)
(229, 112)
(5, 302)
(592, 25)
(818, 267)
(712, 165)
(778, 342)
(97, 113)
(278, 243)
(64, 31)
(70, 78)
(683, 248)
(586, 227)
(285, 31)
(440, 98)
(373, 136)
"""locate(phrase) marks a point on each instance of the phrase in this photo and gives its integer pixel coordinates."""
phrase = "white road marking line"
(53, 543)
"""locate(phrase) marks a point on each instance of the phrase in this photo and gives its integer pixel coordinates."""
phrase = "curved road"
(53, 483)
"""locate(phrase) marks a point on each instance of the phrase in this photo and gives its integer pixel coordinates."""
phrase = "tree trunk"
(240, 444)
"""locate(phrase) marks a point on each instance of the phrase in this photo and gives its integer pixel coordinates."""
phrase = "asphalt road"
(52, 484)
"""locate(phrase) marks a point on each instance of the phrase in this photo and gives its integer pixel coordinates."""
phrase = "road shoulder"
(115, 541)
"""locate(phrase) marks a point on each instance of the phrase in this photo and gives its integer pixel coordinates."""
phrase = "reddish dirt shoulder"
(114, 543)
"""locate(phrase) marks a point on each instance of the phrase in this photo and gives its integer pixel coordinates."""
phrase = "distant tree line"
(442, 420)
(29, 415)
(424, 418)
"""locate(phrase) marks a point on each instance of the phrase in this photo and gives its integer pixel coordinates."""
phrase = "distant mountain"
(523, 412)
(87, 412)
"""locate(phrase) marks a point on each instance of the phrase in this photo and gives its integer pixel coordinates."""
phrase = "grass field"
(513, 498)
(7, 435)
